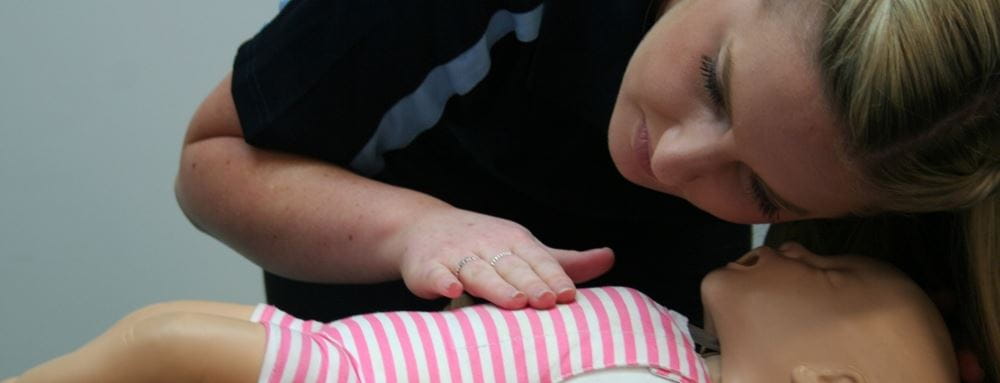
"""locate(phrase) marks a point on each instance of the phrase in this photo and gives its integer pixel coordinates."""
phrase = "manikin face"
(787, 315)
(722, 105)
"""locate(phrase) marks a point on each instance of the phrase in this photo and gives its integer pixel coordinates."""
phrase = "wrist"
(404, 228)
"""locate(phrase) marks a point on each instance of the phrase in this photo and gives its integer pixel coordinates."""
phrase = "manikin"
(783, 315)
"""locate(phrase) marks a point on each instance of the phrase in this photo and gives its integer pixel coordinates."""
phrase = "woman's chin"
(635, 173)
(627, 165)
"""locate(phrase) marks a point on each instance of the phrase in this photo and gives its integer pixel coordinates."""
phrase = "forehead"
(782, 122)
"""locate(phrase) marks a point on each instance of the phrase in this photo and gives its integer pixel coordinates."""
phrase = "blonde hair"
(915, 84)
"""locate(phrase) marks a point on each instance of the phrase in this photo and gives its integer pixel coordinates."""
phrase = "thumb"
(582, 266)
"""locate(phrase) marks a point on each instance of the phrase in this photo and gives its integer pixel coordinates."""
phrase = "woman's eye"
(710, 81)
(767, 207)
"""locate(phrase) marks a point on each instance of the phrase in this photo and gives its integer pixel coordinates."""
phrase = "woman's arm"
(287, 212)
(313, 221)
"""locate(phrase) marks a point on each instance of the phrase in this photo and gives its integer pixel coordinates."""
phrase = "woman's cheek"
(724, 201)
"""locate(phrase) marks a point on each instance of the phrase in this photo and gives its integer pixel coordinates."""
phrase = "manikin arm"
(169, 342)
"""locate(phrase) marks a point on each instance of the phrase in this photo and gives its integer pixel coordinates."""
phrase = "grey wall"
(94, 99)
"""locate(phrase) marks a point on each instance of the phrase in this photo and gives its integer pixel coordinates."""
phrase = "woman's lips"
(640, 145)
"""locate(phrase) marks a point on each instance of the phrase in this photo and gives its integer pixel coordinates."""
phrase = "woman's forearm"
(312, 221)
(294, 216)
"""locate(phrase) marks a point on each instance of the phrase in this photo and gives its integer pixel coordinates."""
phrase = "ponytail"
(982, 233)
(916, 85)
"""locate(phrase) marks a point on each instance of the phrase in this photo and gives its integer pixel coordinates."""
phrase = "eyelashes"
(710, 80)
(765, 204)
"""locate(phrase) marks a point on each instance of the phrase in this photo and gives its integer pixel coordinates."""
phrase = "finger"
(438, 281)
(582, 266)
(549, 270)
(482, 281)
(522, 276)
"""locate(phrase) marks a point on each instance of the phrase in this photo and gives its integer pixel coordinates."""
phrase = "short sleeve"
(317, 78)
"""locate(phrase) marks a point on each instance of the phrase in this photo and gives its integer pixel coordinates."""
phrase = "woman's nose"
(687, 152)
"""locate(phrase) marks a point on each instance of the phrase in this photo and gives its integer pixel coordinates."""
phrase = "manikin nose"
(686, 153)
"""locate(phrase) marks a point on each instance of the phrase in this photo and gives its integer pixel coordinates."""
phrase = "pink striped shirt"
(605, 328)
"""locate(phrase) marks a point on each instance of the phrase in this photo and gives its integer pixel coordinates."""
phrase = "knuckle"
(549, 266)
(523, 280)
(482, 289)
(472, 270)
(525, 274)
(562, 279)
(520, 234)
(536, 256)
(538, 286)
(434, 273)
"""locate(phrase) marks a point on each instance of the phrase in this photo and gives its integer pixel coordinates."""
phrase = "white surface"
(94, 99)
(759, 232)
(621, 375)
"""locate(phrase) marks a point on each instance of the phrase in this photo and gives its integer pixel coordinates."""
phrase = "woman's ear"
(825, 374)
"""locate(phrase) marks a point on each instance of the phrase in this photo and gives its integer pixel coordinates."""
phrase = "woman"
(505, 105)
(772, 111)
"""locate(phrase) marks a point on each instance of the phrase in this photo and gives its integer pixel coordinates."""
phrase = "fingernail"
(517, 295)
(452, 290)
(544, 295)
(566, 295)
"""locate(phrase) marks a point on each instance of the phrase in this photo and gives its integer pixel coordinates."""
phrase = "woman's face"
(722, 105)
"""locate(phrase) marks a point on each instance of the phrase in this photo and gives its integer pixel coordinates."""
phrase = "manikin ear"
(825, 374)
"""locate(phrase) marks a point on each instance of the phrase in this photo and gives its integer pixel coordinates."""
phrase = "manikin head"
(789, 315)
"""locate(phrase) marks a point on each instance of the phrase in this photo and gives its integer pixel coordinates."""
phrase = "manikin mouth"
(748, 259)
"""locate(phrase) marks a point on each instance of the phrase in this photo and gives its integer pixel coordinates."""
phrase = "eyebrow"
(727, 73)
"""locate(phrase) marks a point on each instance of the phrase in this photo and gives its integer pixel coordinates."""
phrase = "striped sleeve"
(299, 351)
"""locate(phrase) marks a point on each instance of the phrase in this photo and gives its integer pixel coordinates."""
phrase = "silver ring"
(496, 258)
(463, 262)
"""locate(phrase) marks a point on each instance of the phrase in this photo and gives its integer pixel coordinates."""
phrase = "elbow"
(213, 139)
(184, 189)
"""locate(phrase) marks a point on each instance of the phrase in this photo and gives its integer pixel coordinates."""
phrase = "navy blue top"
(500, 107)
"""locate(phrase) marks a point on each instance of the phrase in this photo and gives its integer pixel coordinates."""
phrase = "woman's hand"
(447, 251)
